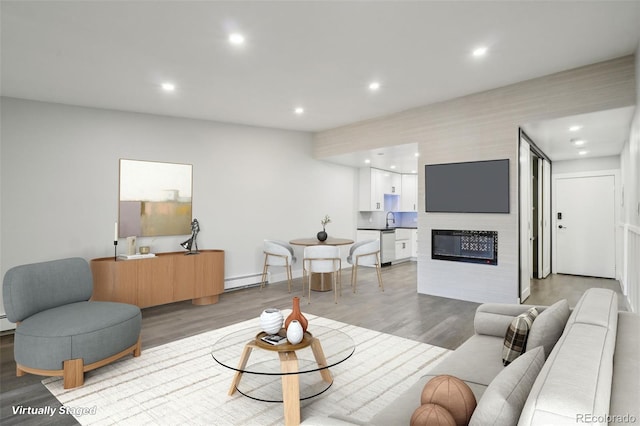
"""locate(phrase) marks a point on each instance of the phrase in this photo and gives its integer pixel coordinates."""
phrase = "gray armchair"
(59, 331)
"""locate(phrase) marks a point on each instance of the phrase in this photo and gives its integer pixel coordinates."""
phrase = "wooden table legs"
(290, 382)
(241, 366)
(318, 354)
(290, 388)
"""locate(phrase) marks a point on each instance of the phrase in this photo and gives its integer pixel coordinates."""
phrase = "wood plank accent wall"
(482, 126)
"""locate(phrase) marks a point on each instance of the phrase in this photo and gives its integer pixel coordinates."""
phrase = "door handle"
(562, 227)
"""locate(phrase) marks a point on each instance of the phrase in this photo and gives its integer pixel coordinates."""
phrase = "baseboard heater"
(242, 281)
(465, 246)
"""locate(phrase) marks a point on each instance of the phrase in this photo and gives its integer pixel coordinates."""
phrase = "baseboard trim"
(5, 324)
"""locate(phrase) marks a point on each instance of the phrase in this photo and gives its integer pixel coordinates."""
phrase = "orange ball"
(432, 415)
(453, 394)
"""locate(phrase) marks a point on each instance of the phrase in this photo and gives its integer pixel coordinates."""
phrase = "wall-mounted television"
(471, 187)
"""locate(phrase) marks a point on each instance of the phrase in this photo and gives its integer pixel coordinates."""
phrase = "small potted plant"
(322, 235)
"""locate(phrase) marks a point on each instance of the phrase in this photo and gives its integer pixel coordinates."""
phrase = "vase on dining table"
(322, 236)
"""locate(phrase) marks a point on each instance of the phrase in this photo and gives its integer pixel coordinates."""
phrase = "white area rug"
(180, 383)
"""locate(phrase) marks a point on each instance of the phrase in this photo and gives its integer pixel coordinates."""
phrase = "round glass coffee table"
(283, 373)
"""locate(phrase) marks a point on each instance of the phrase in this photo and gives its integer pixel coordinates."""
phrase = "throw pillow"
(451, 393)
(549, 325)
(515, 341)
(432, 415)
(504, 398)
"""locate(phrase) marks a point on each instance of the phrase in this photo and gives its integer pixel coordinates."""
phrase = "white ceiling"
(604, 133)
(320, 55)
(397, 158)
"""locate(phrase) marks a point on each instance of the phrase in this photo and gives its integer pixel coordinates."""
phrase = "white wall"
(586, 165)
(59, 183)
(629, 225)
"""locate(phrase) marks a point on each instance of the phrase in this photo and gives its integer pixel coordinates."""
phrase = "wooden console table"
(165, 278)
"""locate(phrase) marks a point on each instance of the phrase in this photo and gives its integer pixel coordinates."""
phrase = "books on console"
(136, 256)
(274, 339)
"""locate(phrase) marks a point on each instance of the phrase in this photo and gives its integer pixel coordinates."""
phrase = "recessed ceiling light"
(584, 152)
(578, 142)
(413, 171)
(392, 166)
(480, 51)
(417, 154)
(168, 87)
(373, 86)
(299, 110)
(367, 161)
(574, 128)
(236, 39)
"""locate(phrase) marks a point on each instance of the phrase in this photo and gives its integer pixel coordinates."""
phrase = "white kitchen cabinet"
(403, 244)
(403, 250)
(371, 195)
(395, 183)
(374, 183)
(409, 196)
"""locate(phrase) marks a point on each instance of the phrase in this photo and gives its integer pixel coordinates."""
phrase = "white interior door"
(585, 225)
(525, 220)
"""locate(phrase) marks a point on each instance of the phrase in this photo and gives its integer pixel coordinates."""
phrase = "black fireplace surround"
(465, 246)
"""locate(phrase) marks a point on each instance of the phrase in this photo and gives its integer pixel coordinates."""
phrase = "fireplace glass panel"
(465, 246)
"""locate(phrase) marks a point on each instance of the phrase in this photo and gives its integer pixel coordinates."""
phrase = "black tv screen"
(472, 187)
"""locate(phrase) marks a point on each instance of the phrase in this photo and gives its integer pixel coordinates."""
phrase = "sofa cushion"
(493, 319)
(515, 341)
(548, 326)
(399, 412)
(598, 306)
(625, 387)
(92, 331)
(483, 350)
(505, 396)
(576, 378)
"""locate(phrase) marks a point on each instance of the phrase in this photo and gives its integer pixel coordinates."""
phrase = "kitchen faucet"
(393, 219)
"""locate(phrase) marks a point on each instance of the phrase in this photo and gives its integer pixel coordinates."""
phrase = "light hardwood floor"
(399, 310)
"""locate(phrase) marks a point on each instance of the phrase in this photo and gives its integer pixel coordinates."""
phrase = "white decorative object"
(295, 332)
(131, 246)
(271, 320)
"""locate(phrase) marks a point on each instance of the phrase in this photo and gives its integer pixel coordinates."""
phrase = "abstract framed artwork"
(155, 198)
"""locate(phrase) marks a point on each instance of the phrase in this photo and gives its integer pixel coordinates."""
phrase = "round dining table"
(321, 281)
(330, 241)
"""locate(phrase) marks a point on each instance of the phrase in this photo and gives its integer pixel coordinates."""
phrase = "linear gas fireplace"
(465, 246)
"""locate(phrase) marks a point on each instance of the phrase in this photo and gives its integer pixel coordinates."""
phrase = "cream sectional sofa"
(581, 367)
